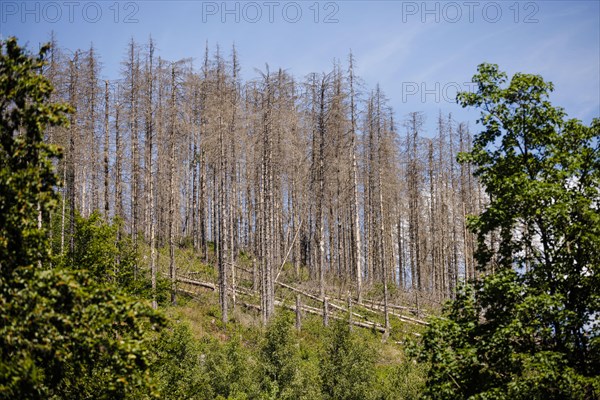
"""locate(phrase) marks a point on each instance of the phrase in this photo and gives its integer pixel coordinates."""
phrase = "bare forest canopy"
(316, 170)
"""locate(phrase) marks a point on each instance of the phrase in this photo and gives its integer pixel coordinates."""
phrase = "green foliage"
(402, 381)
(528, 329)
(62, 334)
(498, 343)
(231, 370)
(65, 336)
(177, 365)
(277, 352)
(286, 375)
(26, 173)
(99, 250)
(347, 365)
(110, 257)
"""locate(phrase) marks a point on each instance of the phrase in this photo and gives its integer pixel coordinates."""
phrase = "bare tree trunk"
(194, 165)
(202, 202)
(221, 239)
(401, 266)
(106, 154)
(233, 176)
(93, 155)
(381, 215)
(321, 190)
(172, 267)
(118, 161)
(373, 247)
(73, 133)
(355, 207)
(153, 260)
(154, 216)
(133, 130)
(415, 123)
(266, 203)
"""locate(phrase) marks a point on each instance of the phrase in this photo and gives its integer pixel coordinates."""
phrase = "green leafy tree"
(177, 365)
(278, 355)
(286, 373)
(231, 370)
(27, 176)
(62, 335)
(99, 250)
(110, 258)
(528, 328)
(347, 365)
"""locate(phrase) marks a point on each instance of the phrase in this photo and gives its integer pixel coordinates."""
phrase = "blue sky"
(419, 52)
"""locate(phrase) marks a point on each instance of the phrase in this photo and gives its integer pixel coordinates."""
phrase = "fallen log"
(312, 310)
(401, 317)
(196, 283)
(308, 308)
(316, 298)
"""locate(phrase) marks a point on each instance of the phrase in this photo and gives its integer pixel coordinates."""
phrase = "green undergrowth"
(244, 360)
(197, 356)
